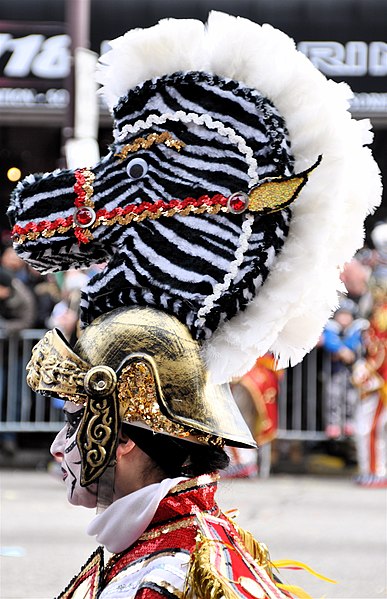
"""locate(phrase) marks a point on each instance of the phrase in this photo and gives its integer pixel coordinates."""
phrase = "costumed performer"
(256, 394)
(236, 186)
(370, 376)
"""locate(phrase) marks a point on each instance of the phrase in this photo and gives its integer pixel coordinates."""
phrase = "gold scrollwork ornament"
(97, 436)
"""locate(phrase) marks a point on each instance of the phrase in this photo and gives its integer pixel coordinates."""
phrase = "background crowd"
(355, 339)
(31, 300)
(355, 402)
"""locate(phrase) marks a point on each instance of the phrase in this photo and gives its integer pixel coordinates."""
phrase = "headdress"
(235, 189)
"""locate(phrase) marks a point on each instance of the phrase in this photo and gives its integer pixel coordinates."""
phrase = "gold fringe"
(257, 550)
(202, 582)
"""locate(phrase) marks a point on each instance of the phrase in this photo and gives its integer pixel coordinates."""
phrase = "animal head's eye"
(137, 168)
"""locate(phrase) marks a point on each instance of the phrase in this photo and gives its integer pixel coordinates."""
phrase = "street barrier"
(22, 410)
(301, 402)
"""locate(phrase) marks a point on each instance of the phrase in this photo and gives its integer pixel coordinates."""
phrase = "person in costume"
(256, 394)
(236, 185)
(370, 376)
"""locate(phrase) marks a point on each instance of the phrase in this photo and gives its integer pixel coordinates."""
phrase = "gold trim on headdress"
(143, 143)
(276, 193)
(140, 366)
(269, 195)
(138, 398)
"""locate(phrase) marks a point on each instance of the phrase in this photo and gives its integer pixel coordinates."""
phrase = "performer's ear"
(124, 447)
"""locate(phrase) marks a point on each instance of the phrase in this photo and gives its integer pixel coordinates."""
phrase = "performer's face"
(65, 450)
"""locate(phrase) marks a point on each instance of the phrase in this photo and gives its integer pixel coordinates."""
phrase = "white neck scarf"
(124, 521)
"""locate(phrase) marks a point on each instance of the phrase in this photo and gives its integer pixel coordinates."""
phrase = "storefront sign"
(35, 62)
(353, 59)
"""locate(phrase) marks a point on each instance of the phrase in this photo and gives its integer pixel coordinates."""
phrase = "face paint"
(65, 450)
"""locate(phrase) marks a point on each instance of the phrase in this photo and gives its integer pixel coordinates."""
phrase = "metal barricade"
(301, 402)
(22, 410)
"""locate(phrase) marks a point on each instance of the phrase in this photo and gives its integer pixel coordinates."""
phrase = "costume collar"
(125, 520)
(188, 497)
(120, 525)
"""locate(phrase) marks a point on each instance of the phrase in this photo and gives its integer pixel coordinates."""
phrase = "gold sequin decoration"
(211, 440)
(138, 400)
(144, 143)
(173, 591)
(274, 194)
(131, 217)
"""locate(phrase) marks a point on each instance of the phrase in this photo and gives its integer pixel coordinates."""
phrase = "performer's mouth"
(64, 474)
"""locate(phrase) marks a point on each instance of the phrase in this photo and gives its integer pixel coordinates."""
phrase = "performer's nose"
(57, 447)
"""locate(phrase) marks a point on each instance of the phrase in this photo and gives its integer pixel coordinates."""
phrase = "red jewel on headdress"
(84, 217)
(238, 202)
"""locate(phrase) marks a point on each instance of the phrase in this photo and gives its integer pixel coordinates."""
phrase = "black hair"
(177, 457)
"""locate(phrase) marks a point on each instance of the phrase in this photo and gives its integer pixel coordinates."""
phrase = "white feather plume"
(288, 313)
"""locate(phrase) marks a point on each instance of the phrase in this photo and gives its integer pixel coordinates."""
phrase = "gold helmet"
(139, 366)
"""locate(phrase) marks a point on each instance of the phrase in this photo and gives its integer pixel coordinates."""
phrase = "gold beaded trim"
(164, 530)
(144, 143)
(203, 479)
(172, 590)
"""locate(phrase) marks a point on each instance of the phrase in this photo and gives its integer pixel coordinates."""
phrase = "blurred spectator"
(11, 262)
(343, 339)
(44, 287)
(65, 314)
(17, 304)
(379, 265)
(355, 277)
(17, 312)
(47, 294)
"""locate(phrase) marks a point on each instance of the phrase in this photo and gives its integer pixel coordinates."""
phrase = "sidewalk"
(328, 523)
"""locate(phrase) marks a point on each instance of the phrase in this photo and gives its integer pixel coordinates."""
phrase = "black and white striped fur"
(172, 263)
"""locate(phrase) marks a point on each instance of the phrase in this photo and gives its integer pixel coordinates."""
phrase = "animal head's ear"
(51, 215)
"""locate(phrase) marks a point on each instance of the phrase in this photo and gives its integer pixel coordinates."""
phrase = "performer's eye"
(137, 168)
(73, 419)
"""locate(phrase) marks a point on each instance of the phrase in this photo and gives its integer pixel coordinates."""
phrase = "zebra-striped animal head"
(178, 139)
